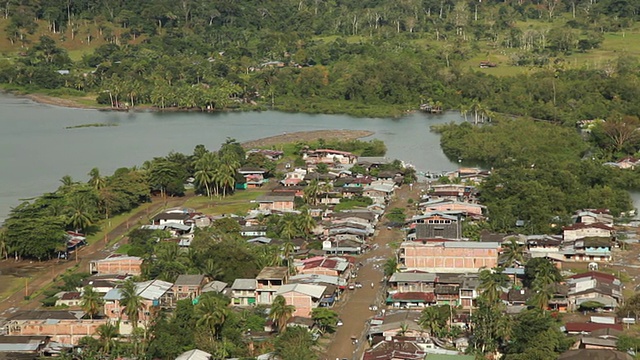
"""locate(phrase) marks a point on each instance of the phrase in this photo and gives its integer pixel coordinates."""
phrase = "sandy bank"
(307, 136)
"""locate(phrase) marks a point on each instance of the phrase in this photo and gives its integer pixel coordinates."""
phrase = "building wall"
(121, 267)
(319, 271)
(454, 260)
(303, 303)
(570, 235)
(64, 331)
(469, 208)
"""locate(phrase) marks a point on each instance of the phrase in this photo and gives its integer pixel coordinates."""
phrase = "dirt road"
(354, 308)
(44, 272)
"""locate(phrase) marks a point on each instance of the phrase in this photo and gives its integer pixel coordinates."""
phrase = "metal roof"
(315, 291)
(244, 284)
(194, 354)
(412, 277)
(150, 290)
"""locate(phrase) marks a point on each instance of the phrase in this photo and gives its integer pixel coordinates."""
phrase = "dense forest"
(365, 58)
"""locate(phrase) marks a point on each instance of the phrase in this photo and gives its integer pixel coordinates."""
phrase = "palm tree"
(95, 180)
(306, 224)
(280, 312)
(91, 301)
(212, 269)
(513, 253)
(78, 213)
(390, 266)
(107, 333)
(288, 226)
(311, 192)
(542, 296)
(431, 319)
(67, 181)
(464, 110)
(4, 248)
(131, 302)
(205, 168)
(491, 284)
(212, 314)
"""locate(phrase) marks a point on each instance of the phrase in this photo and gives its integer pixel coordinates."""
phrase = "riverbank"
(78, 100)
(307, 136)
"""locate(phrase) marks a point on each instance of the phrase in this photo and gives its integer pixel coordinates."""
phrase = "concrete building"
(448, 256)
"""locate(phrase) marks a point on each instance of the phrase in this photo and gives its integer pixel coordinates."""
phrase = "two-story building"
(305, 297)
(117, 264)
(243, 292)
(273, 202)
(448, 256)
(268, 282)
(189, 286)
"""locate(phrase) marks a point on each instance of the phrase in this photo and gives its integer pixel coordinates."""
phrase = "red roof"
(331, 151)
(595, 275)
(415, 296)
(323, 263)
(72, 295)
(578, 226)
(589, 327)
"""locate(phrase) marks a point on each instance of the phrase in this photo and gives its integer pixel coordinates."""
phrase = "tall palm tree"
(513, 253)
(95, 180)
(464, 110)
(306, 223)
(491, 284)
(280, 312)
(288, 226)
(79, 216)
(390, 266)
(91, 301)
(108, 333)
(205, 167)
(311, 192)
(67, 181)
(211, 313)
(131, 302)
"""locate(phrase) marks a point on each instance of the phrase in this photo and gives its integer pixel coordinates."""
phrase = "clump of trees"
(541, 173)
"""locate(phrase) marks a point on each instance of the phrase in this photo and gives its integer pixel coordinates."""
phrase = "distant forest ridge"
(560, 61)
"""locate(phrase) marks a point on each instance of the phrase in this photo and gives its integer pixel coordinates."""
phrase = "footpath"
(52, 269)
(353, 309)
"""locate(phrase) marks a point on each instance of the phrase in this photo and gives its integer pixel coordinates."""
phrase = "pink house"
(117, 264)
(451, 205)
(322, 265)
(449, 256)
(329, 156)
(62, 326)
(276, 202)
(304, 297)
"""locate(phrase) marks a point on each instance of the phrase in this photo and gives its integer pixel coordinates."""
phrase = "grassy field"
(238, 203)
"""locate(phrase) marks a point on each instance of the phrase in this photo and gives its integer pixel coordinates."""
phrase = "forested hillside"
(555, 60)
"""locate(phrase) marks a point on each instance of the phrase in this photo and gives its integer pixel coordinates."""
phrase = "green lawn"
(239, 202)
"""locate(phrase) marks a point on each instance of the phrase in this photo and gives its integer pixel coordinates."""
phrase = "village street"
(353, 309)
(41, 274)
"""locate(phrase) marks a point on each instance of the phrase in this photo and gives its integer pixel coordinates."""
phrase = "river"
(37, 149)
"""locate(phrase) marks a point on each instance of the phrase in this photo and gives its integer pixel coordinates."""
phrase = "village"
(379, 265)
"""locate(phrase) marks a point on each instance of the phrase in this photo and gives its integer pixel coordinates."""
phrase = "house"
(195, 354)
(276, 202)
(387, 326)
(155, 294)
(243, 292)
(117, 264)
(253, 177)
(583, 230)
(23, 344)
(442, 206)
(373, 162)
(628, 163)
(436, 225)
(592, 216)
(407, 282)
(253, 231)
(173, 216)
(188, 286)
(593, 249)
(328, 156)
(69, 298)
(61, 326)
(395, 350)
(268, 282)
(272, 155)
(215, 286)
(323, 265)
(452, 192)
(588, 327)
(304, 297)
(380, 193)
(594, 287)
(338, 282)
(594, 354)
(449, 256)
(293, 178)
(102, 283)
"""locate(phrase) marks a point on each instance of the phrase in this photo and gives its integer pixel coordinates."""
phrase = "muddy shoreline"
(306, 136)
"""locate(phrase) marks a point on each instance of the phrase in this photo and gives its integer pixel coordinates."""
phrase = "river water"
(37, 150)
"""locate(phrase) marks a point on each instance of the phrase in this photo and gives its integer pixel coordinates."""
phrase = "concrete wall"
(453, 260)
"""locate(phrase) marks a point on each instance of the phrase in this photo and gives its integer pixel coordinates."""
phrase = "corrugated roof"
(189, 280)
(194, 354)
(315, 291)
(412, 277)
(244, 284)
